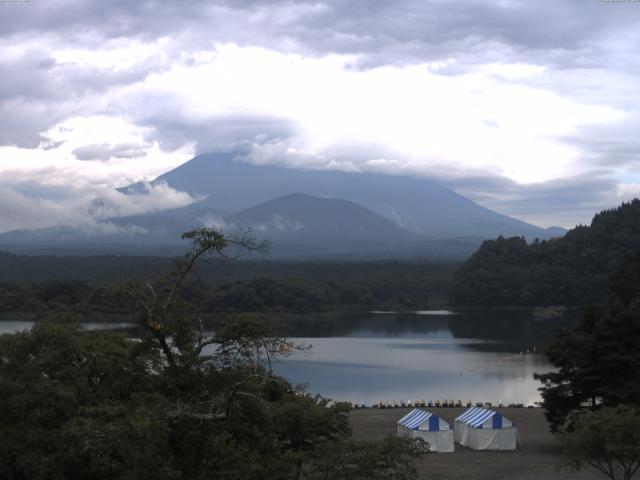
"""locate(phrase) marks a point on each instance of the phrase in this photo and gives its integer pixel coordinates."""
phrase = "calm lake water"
(10, 326)
(425, 355)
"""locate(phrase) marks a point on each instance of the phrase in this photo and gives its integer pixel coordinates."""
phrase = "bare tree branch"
(155, 310)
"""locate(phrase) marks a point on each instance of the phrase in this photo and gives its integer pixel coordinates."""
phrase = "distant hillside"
(572, 270)
(418, 204)
(322, 225)
(299, 227)
(337, 215)
(101, 239)
(33, 286)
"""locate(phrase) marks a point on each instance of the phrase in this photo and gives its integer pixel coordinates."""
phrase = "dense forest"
(82, 285)
(175, 404)
(596, 362)
(572, 270)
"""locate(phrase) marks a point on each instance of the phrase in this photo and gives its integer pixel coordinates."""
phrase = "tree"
(607, 440)
(249, 339)
(164, 316)
(73, 402)
(81, 404)
(389, 459)
(571, 270)
(597, 361)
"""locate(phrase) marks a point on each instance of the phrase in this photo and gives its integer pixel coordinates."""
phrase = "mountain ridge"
(336, 224)
(419, 204)
(307, 213)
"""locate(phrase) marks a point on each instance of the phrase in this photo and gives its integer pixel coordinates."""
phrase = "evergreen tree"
(598, 361)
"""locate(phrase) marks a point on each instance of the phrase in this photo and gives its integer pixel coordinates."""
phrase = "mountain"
(322, 225)
(338, 214)
(298, 225)
(418, 204)
(170, 224)
(96, 239)
(152, 233)
(572, 270)
(553, 232)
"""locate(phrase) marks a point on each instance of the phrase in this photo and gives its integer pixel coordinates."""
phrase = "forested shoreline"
(572, 270)
(249, 286)
(97, 404)
(188, 413)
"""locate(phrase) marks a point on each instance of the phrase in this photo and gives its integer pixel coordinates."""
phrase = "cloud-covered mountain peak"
(415, 203)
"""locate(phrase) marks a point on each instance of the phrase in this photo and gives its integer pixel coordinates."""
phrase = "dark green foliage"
(295, 288)
(78, 404)
(66, 395)
(53, 296)
(97, 405)
(573, 270)
(245, 340)
(390, 459)
(63, 291)
(625, 283)
(292, 295)
(598, 361)
(607, 440)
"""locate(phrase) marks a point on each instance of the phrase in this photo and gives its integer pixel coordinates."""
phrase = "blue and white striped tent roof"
(478, 417)
(418, 419)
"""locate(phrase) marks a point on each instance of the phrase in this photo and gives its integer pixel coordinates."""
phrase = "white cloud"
(85, 207)
(282, 223)
(628, 191)
(130, 156)
(490, 119)
(21, 211)
(153, 197)
(491, 88)
(479, 120)
(215, 221)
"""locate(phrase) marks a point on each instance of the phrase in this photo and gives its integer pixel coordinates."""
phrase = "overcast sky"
(531, 108)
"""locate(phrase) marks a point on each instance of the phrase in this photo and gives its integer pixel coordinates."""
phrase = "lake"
(479, 355)
(476, 355)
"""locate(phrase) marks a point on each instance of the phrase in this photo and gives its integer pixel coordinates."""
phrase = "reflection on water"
(357, 324)
(376, 369)
(13, 326)
(470, 355)
(477, 355)
(435, 312)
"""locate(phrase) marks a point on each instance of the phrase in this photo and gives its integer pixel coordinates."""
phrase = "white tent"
(429, 427)
(483, 429)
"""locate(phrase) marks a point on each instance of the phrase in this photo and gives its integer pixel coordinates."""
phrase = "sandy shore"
(539, 458)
